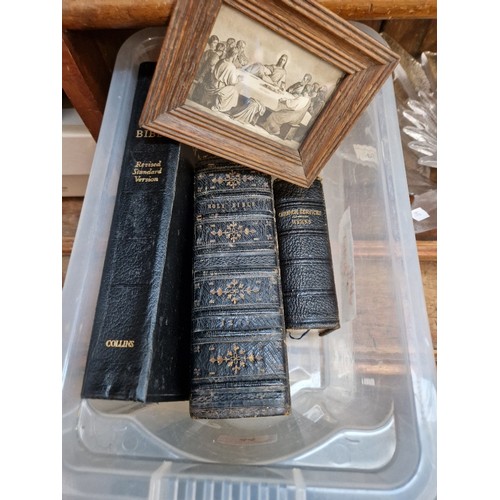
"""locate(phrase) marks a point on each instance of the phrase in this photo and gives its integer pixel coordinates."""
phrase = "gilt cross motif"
(235, 291)
(236, 359)
(233, 231)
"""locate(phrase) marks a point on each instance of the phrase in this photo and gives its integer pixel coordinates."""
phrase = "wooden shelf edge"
(99, 14)
(427, 251)
(67, 245)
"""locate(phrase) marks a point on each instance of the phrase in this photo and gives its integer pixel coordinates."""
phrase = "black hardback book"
(307, 276)
(141, 334)
(239, 354)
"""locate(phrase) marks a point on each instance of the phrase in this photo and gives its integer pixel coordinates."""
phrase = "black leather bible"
(141, 333)
(238, 340)
(307, 277)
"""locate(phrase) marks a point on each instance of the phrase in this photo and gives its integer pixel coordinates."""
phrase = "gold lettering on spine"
(147, 171)
(300, 216)
(300, 211)
(141, 133)
(301, 222)
(120, 343)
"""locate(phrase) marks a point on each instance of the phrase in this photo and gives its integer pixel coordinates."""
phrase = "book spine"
(238, 347)
(307, 277)
(141, 325)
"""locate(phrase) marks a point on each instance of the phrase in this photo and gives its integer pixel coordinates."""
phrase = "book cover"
(238, 341)
(141, 330)
(309, 295)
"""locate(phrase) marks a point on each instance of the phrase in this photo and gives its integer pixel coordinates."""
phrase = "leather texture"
(307, 277)
(238, 341)
(142, 326)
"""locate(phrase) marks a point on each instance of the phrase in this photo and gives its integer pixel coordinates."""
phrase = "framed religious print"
(272, 85)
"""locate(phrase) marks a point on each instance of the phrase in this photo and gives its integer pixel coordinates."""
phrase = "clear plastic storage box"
(363, 422)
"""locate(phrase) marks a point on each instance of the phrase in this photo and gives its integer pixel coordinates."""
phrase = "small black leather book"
(141, 334)
(238, 338)
(307, 277)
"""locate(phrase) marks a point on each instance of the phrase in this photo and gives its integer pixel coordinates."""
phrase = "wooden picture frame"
(235, 112)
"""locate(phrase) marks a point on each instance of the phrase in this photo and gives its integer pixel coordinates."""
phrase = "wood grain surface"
(93, 14)
(81, 82)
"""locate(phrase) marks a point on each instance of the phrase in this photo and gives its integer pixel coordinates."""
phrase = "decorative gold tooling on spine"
(233, 231)
(236, 359)
(235, 291)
